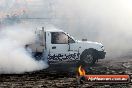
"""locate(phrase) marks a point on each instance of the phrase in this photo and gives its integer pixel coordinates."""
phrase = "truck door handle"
(54, 47)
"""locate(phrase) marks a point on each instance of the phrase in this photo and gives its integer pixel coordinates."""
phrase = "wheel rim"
(88, 59)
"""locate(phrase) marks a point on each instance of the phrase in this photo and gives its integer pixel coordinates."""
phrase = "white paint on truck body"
(62, 47)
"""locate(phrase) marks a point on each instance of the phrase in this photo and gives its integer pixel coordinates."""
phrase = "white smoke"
(105, 21)
(13, 56)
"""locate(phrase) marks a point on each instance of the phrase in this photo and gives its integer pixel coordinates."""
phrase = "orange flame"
(81, 71)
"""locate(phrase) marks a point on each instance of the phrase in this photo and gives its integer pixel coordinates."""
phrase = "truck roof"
(53, 30)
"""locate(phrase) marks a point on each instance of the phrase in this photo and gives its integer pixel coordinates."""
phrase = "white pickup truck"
(58, 47)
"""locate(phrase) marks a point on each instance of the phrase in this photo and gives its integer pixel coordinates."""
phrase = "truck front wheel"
(87, 58)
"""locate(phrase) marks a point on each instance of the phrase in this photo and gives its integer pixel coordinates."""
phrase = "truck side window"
(59, 38)
(71, 40)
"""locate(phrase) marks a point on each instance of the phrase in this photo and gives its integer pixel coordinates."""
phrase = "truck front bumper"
(101, 54)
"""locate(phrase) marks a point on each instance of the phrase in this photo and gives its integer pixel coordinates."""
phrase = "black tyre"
(88, 58)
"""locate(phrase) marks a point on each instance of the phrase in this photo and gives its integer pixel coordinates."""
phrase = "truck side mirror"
(69, 40)
(84, 39)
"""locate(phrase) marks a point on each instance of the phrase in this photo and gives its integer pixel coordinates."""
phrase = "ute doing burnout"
(58, 47)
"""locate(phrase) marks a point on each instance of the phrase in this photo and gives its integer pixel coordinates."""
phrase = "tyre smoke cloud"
(105, 21)
(14, 58)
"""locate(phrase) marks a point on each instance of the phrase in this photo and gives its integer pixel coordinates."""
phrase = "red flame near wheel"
(81, 71)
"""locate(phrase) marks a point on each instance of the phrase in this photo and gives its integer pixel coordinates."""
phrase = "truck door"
(59, 49)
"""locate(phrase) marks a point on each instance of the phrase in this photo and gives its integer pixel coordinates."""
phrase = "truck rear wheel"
(87, 58)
